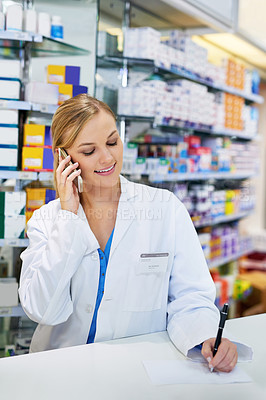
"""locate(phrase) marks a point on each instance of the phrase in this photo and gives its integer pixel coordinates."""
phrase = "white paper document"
(169, 372)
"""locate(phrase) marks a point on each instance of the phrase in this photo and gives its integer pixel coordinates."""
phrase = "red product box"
(199, 151)
(193, 141)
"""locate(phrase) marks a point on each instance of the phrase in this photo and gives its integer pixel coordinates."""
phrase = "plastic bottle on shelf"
(57, 30)
(14, 16)
(44, 24)
(2, 17)
(30, 21)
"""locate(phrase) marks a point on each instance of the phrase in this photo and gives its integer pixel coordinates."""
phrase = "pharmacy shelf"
(195, 128)
(27, 175)
(233, 257)
(223, 219)
(135, 118)
(173, 73)
(223, 88)
(14, 39)
(44, 108)
(19, 175)
(14, 242)
(41, 46)
(48, 47)
(200, 176)
(15, 104)
(45, 176)
(176, 126)
(16, 311)
(25, 105)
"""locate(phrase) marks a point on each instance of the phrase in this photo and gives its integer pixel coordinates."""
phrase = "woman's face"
(99, 151)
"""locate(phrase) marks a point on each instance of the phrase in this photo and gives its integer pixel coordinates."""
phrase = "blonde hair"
(69, 119)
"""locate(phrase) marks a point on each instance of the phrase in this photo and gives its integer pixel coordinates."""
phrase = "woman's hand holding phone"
(66, 172)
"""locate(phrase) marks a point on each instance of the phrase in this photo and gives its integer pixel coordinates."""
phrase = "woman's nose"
(106, 157)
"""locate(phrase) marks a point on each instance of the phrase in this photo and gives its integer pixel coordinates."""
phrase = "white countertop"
(113, 370)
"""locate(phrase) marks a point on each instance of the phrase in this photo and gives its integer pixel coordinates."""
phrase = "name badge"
(152, 263)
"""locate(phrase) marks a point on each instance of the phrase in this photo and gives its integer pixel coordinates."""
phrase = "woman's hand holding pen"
(226, 357)
(67, 190)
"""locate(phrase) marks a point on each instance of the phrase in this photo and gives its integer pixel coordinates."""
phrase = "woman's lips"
(106, 171)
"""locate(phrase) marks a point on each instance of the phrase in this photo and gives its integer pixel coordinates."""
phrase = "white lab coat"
(60, 274)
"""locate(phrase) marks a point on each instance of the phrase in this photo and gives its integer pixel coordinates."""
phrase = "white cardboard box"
(8, 136)
(9, 89)
(8, 292)
(9, 117)
(8, 157)
(10, 69)
(40, 92)
(12, 226)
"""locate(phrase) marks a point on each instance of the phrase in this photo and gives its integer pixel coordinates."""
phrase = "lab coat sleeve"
(192, 315)
(54, 254)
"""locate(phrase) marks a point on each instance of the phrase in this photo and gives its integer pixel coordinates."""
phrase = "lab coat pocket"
(145, 284)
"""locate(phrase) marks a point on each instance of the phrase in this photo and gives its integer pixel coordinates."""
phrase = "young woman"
(117, 259)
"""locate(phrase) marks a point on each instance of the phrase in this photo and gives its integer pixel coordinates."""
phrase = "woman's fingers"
(64, 170)
(74, 174)
(68, 171)
(226, 357)
(62, 164)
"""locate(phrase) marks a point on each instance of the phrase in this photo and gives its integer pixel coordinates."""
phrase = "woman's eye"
(89, 153)
(112, 144)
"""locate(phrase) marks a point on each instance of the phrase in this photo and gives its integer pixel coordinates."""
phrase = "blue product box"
(72, 75)
(78, 89)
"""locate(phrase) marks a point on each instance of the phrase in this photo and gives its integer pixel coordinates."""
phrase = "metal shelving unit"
(233, 257)
(173, 73)
(41, 46)
(27, 106)
(15, 311)
(223, 219)
(200, 176)
(14, 242)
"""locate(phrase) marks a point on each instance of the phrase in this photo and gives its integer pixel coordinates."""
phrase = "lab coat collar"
(128, 189)
(125, 212)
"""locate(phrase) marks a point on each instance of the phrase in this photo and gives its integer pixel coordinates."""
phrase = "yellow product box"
(37, 197)
(215, 242)
(28, 216)
(228, 123)
(37, 158)
(235, 125)
(228, 98)
(229, 208)
(228, 108)
(66, 91)
(63, 74)
(36, 135)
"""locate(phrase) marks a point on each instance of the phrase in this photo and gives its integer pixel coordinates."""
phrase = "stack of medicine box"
(9, 132)
(142, 43)
(12, 215)
(67, 78)
(37, 152)
(235, 74)
(230, 108)
(37, 197)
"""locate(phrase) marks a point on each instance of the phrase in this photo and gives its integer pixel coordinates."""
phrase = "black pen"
(223, 317)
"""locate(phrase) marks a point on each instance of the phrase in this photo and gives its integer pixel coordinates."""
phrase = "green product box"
(12, 203)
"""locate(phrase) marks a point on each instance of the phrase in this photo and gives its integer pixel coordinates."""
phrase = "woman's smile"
(107, 171)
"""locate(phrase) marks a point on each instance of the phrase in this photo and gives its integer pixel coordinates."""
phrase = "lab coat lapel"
(125, 213)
